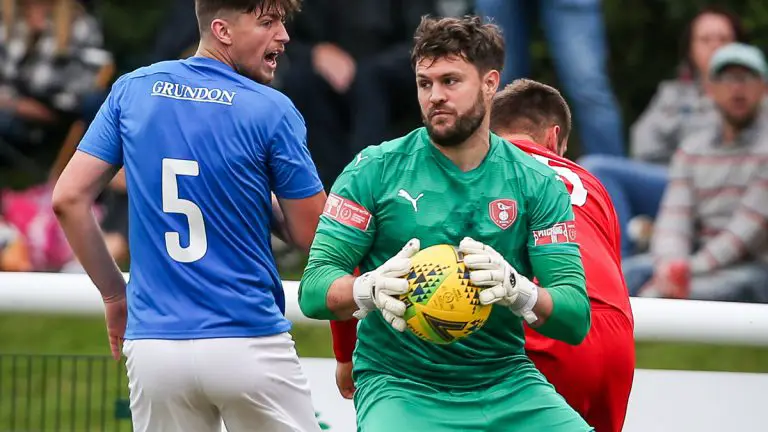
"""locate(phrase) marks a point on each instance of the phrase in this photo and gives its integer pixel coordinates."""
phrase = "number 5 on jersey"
(198, 242)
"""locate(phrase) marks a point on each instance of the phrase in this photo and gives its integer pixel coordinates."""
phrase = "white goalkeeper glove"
(501, 282)
(377, 289)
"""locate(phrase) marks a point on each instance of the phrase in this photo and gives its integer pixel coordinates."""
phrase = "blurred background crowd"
(678, 135)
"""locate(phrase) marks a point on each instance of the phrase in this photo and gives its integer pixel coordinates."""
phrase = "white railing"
(661, 401)
(655, 319)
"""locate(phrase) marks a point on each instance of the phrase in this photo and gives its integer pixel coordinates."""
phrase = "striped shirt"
(715, 209)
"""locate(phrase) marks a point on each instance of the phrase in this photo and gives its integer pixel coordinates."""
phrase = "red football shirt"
(597, 227)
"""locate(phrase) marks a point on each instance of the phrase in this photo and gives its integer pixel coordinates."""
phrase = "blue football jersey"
(202, 148)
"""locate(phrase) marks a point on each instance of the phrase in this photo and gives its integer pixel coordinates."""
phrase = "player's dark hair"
(208, 10)
(468, 38)
(527, 106)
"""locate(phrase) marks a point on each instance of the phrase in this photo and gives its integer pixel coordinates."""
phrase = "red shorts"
(595, 377)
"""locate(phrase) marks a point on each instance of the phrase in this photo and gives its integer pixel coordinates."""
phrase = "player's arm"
(99, 157)
(344, 234)
(566, 305)
(83, 179)
(346, 231)
(300, 219)
(326, 288)
(344, 337)
(277, 223)
(558, 307)
(556, 263)
(298, 197)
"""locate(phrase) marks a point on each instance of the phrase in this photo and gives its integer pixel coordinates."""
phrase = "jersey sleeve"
(345, 233)
(103, 139)
(351, 206)
(292, 172)
(552, 227)
(556, 261)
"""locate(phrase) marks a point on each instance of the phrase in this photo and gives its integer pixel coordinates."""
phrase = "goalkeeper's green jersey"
(407, 188)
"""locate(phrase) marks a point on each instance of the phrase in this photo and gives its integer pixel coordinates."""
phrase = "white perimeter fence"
(661, 401)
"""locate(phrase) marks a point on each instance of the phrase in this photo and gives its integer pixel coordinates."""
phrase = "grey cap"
(738, 54)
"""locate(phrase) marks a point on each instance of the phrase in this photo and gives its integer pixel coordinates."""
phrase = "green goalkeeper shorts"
(523, 403)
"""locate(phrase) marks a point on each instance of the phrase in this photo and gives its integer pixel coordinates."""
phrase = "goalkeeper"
(451, 182)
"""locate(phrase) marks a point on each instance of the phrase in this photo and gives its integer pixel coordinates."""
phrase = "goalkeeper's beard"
(464, 126)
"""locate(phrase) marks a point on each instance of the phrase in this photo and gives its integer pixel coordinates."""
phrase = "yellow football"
(442, 305)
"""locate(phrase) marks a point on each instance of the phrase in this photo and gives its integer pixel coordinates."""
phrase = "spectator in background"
(575, 32)
(50, 57)
(679, 108)
(350, 74)
(50, 54)
(711, 241)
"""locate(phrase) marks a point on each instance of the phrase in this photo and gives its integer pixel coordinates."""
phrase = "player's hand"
(116, 314)
(344, 380)
(501, 282)
(377, 289)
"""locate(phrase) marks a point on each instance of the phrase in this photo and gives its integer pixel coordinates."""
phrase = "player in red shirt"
(596, 376)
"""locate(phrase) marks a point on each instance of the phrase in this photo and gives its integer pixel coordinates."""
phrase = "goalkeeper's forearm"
(563, 303)
(321, 298)
(543, 307)
(326, 286)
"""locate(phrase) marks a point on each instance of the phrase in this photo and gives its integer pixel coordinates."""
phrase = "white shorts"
(252, 384)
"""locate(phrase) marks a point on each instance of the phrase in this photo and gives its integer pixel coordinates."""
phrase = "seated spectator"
(711, 241)
(679, 108)
(49, 59)
(349, 77)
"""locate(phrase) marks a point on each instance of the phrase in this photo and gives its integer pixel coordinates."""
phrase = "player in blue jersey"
(204, 143)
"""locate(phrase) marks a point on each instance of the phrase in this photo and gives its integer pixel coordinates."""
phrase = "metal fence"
(40, 393)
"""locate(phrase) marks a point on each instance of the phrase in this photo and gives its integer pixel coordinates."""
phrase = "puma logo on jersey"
(414, 201)
(360, 158)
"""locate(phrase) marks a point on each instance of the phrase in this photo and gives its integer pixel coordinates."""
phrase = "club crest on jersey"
(563, 232)
(503, 212)
(347, 212)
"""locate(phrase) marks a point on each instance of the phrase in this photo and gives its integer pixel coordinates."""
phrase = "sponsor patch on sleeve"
(347, 212)
(563, 232)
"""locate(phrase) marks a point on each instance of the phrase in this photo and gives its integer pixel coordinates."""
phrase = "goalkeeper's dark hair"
(480, 44)
(208, 10)
(530, 107)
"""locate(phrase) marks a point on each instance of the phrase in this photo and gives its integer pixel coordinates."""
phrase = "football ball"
(442, 306)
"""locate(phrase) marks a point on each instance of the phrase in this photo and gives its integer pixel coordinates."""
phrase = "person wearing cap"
(679, 107)
(710, 241)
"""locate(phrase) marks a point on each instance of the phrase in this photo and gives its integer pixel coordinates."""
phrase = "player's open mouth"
(271, 58)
